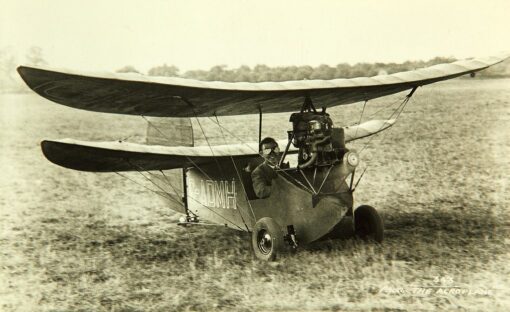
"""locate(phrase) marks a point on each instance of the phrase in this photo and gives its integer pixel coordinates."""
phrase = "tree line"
(260, 73)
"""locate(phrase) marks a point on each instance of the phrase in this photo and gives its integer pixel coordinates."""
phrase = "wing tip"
(23, 72)
(50, 150)
(45, 146)
(32, 76)
(64, 155)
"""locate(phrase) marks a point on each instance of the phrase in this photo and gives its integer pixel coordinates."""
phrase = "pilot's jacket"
(262, 178)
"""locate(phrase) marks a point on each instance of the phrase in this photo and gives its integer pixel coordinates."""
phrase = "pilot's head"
(270, 151)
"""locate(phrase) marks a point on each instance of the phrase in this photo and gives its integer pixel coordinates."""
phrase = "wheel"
(267, 239)
(368, 224)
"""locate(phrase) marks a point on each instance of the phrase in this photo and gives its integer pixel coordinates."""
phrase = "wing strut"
(260, 126)
(282, 159)
(184, 194)
(308, 105)
(412, 92)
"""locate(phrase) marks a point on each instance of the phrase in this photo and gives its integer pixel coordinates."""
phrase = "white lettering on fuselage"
(214, 194)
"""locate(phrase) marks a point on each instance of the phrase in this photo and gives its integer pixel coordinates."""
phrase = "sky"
(106, 35)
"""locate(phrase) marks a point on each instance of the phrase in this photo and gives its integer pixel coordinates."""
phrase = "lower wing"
(123, 156)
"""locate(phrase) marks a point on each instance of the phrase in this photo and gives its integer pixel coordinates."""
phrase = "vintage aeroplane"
(309, 201)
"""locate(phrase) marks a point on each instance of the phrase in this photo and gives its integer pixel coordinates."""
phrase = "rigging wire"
(258, 154)
(191, 197)
(238, 176)
(231, 133)
(217, 162)
(208, 143)
(169, 140)
(399, 100)
(168, 182)
(408, 99)
(151, 181)
(398, 111)
(149, 189)
(359, 179)
(360, 117)
(255, 152)
(195, 201)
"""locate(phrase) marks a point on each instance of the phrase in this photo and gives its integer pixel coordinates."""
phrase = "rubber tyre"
(368, 225)
(265, 247)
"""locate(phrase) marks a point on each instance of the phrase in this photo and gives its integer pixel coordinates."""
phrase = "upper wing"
(136, 94)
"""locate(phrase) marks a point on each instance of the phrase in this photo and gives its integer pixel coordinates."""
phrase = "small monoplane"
(309, 201)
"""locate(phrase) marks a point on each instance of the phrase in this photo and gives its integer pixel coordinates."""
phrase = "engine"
(312, 134)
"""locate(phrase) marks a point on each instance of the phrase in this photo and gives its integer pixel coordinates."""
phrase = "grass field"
(87, 242)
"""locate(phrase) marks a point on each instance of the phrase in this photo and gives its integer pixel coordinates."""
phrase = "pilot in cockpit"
(265, 173)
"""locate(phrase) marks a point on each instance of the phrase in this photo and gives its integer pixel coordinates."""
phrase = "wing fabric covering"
(135, 94)
(123, 156)
(366, 129)
(169, 131)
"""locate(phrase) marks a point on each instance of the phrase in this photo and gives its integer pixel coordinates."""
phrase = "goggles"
(274, 149)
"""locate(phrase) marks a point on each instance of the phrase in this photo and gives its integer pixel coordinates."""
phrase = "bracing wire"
(151, 181)
(218, 164)
(398, 111)
(238, 175)
(168, 182)
(257, 153)
(216, 160)
(147, 188)
(399, 100)
(361, 117)
(168, 139)
(197, 201)
(143, 175)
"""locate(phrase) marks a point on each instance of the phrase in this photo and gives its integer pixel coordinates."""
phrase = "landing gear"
(267, 239)
(368, 225)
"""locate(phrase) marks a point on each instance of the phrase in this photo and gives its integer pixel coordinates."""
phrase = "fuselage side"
(221, 192)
